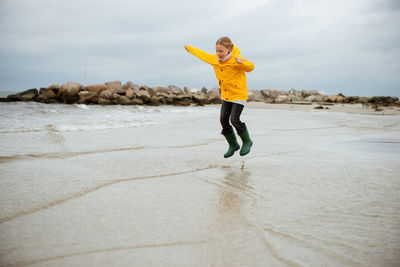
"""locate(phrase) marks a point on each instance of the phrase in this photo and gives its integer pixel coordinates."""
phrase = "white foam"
(104, 126)
(82, 106)
(23, 117)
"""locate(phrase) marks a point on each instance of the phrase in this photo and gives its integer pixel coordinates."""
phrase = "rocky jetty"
(116, 93)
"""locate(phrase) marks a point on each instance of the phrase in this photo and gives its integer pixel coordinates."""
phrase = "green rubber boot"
(247, 143)
(233, 144)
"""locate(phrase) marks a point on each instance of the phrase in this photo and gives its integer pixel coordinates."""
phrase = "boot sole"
(244, 154)
(232, 153)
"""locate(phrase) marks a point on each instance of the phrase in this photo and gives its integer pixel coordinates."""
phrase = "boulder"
(255, 96)
(340, 98)
(283, 92)
(214, 96)
(96, 89)
(319, 98)
(68, 86)
(137, 101)
(151, 91)
(363, 100)
(310, 98)
(293, 91)
(155, 100)
(117, 86)
(270, 93)
(28, 95)
(164, 94)
(107, 94)
(181, 97)
(182, 100)
(351, 99)
(200, 99)
(46, 94)
(103, 101)
(183, 103)
(395, 100)
(282, 99)
(162, 89)
(187, 91)
(122, 99)
(175, 90)
(332, 98)
(130, 93)
(170, 99)
(166, 99)
(163, 99)
(298, 94)
(143, 94)
(305, 93)
(54, 87)
(130, 85)
(144, 87)
(86, 97)
(295, 99)
(68, 92)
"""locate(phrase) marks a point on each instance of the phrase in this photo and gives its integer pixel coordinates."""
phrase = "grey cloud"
(350, 46)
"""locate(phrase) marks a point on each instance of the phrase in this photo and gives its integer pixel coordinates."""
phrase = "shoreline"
(355, 108)
(329, 107)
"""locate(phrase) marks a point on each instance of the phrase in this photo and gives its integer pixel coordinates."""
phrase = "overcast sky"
(348, 46)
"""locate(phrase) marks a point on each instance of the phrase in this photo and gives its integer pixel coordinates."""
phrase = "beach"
(347, 108)
(92, 185)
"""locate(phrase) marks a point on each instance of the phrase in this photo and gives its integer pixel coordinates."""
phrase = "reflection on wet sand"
(232, 195)
(316, 188)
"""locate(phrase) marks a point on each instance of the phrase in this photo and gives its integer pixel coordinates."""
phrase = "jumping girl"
(230, 70)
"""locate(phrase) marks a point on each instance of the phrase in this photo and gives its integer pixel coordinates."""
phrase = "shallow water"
(148, 186)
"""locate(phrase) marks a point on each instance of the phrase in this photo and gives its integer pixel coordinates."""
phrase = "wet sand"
(349, 108)
(318, 187)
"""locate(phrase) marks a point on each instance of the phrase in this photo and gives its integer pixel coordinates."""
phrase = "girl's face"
(222, 51)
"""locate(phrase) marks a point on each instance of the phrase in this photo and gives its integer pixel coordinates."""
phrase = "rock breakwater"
(116, 93)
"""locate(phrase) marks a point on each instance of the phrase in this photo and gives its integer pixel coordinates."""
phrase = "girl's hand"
(239, 60)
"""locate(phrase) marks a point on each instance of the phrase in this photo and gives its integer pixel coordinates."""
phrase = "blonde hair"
(225, 41)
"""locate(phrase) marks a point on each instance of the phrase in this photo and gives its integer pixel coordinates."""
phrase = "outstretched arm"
(207, 57)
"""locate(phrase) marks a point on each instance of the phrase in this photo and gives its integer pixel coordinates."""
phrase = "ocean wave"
(82, 106)
(20, 130)
(36, 117)
(77, 127)
(105, 126)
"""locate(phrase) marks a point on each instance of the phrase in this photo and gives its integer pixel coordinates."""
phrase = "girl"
(230, 70)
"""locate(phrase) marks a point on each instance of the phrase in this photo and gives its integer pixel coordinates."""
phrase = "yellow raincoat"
(230, 74)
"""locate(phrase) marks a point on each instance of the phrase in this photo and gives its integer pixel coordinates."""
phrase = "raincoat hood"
(235, 51)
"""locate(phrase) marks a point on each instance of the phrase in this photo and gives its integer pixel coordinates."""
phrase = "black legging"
(232, 111)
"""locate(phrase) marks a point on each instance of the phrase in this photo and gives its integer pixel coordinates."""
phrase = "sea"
(92, 185)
